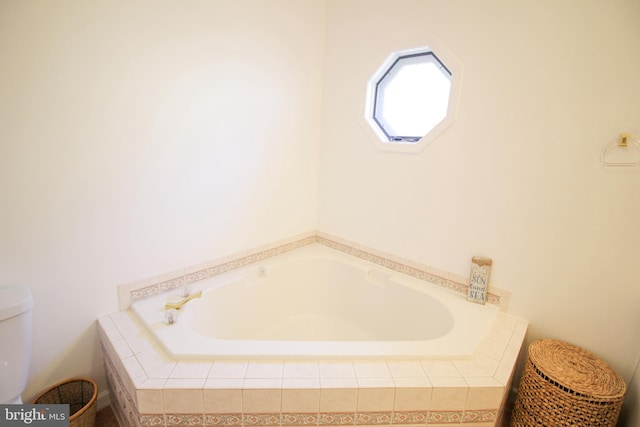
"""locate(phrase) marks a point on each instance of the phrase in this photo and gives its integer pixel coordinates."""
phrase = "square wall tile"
(375, 399)
(469, 368)
(264, 370)
(504, 373)
(336, 370)
(132, 367)
(510, 354)
(122, 349)
(376, 383)
(338, 395)
(406, 369)
(261, 401)
(222, 401)
(298, 400)
(440, 369)
(151, 384)
(492, 347)
(140, 341)
(411, 396)
(109, 328)
(191, 369)
(224, 369)
(448, 394)
(301, 370)
(262, 383)
(301, 383)
(182, 401)
(184, 383)
(224, 383)
(484, 393)
(150, 401)
(372, 370)
(156, 363)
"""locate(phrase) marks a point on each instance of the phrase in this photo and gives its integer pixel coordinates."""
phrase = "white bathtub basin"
(318, 303)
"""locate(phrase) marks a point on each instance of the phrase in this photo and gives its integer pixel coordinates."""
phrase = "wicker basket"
(564, 385)
(80, 394)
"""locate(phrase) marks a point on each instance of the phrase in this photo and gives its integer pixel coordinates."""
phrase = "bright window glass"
(411, 97)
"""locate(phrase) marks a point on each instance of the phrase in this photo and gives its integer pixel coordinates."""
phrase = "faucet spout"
(178, 305)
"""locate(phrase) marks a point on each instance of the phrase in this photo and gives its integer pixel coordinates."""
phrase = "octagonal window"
(411, 99)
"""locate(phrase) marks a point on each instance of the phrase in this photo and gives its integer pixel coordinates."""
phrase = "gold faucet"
(178, 305)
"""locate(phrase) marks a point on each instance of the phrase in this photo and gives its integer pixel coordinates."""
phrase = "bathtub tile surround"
(149, 388)
(323, 393)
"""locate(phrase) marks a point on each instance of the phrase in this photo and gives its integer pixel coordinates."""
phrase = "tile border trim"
(143, 289)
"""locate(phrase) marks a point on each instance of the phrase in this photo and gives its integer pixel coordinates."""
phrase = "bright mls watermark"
(34, 415)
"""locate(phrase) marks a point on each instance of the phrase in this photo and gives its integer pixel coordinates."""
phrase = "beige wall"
(138, 138)
(517, 178)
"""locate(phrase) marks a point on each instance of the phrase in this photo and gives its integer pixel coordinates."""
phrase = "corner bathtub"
(304, 334)
(317, 303)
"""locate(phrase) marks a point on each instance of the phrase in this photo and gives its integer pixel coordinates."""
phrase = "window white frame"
(379, 137)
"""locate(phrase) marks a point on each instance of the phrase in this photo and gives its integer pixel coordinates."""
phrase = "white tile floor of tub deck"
(306, 392)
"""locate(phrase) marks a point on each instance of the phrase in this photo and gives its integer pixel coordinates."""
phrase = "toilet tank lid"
(14, 300)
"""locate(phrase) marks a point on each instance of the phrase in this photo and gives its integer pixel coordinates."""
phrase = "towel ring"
(623, 152)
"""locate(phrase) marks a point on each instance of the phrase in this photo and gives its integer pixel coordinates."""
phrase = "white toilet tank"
(16, 303)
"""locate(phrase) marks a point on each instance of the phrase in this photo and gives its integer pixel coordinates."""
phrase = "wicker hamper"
(564, 385)
(80, 394)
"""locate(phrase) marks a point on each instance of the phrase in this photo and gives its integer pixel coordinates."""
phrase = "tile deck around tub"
(151, 389)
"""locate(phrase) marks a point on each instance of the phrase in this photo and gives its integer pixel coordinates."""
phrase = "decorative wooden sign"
(479, 281)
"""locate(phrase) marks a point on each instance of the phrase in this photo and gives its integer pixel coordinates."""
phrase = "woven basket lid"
(576, 369)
